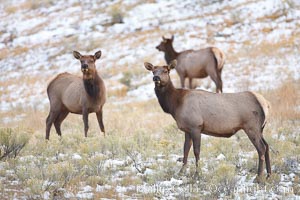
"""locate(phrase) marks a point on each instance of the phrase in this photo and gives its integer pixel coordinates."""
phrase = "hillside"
(261, 41)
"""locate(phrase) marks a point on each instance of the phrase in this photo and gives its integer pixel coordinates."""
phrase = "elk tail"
(265, 105)
(220, 57)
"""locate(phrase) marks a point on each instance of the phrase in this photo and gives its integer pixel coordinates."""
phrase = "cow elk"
(199, 112)
(69, 93)
(195, 64)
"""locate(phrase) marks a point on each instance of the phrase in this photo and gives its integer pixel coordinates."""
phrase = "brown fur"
(195, 64)
(199, 112)
(68, 93)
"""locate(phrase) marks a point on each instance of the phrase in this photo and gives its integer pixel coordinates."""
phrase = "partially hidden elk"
(199, 112)
(69, 93)
(195, 63)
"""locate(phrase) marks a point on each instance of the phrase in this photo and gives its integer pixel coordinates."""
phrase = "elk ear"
(148, 66)
(163, 37)
(97, 55)
(76, 54)
(172, 38)
(172, 65)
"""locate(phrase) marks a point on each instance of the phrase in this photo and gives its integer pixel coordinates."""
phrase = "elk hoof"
(180, 159)
(268, 176)
(258, 179)
(182, 170)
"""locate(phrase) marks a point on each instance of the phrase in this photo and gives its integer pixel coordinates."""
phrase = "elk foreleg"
(196, 137)
(186, 150)
(85, 116)
(100, 120)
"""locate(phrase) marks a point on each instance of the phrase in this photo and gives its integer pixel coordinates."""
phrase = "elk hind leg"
(49, 121)
(267, 156)
(216, 77)
(191, 83)
(257, 140)
(59, 120)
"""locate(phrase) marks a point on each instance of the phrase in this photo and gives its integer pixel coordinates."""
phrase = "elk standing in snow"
(195, 64)
(219, 115)
(69, 93)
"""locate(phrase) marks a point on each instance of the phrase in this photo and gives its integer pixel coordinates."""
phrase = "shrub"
(116, 14)
(126, 79)
(222, 181)
(11, 142)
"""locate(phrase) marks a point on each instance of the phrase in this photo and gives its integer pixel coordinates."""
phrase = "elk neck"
(169, 97)
(170, 54)
(92, 86)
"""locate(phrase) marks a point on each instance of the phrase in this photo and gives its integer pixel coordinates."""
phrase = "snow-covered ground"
(37, 40)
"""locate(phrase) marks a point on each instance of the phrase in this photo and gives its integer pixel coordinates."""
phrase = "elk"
(69, 93)
(195, 64)
(199, 112)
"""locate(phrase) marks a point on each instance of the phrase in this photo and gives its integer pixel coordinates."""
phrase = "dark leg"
(191, 83)
(59, 120)
(186, 150)
(50, 119)
(100, 120)
(257, 141)
(267, 156)
(48, 126)
(85, 116)
(196, 146)
(216, 77)
(218, 83)
(187, 147)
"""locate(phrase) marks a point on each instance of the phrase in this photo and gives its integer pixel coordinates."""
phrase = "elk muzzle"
(158, 48)
(84, 68)
(156, 79)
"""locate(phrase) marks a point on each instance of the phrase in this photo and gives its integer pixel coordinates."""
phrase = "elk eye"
(166, 71)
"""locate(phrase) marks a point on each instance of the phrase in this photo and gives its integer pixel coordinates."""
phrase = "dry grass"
(120, 92)
(19, 50)
(285, 101)
(4, 53)
(265, 49)
(27, 5)
(11, 9)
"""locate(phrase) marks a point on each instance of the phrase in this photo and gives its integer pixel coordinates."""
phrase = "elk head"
(165, 43)
(161, 75)
(88, 66)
